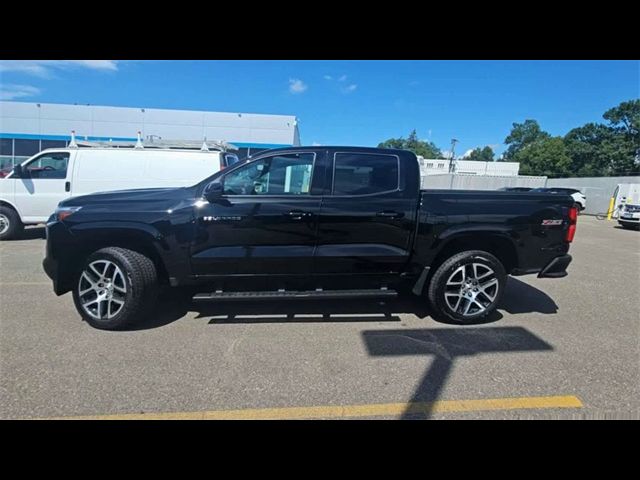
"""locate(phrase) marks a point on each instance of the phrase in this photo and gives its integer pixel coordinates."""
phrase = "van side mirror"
(17, 171)
(213, 192)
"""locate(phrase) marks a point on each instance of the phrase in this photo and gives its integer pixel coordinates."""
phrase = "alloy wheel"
(471, 289)
(102, 289)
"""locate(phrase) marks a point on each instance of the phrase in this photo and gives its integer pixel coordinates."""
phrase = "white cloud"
(45, 68)
(349, 88)
(95, 64)
(316, 144)
(468, 153)
(328, 77)
(297, 86)
(13, 91)
(342, 78)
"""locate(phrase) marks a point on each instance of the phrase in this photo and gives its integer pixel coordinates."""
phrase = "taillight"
(573, 220)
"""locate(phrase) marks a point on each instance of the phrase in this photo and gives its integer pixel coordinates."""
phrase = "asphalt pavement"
(557, 348)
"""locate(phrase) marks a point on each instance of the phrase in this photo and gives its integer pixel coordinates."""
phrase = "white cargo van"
(31, 192)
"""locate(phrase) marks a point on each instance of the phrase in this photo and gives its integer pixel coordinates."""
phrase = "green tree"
(625, 121)
(596, 149)
(544, 156)
(414, 144)
(521, 135)
(585, 147)
(481, 154)
(625, 118)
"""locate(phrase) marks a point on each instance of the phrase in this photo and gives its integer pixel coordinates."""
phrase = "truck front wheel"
(116, 288)
(467, 287)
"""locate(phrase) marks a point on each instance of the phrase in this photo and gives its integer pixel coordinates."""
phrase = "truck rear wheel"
(467, 287)
(116, 288)
(10, 224)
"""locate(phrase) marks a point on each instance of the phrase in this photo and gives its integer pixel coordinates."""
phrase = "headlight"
(62, 213)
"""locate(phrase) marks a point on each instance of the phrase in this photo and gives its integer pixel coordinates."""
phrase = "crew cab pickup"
(305, 222)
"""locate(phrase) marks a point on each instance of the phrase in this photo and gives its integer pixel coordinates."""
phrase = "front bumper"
(58, 269)
(51, 268)
(556, 268)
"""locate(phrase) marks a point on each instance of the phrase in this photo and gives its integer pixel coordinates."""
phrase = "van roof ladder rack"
(155, 142)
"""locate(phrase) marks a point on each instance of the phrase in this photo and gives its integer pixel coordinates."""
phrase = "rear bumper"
(556, 268)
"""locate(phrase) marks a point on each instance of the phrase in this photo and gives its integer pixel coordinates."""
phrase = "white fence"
(479, 182)
(439, 166)
(598, 190)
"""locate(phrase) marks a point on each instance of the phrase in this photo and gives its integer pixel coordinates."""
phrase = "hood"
(156, 198)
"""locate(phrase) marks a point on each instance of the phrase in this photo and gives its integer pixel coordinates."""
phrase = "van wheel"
(10, 224)
(116, 288)
(467, 287)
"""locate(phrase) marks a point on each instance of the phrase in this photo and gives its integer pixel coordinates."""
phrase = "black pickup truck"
(321, 222)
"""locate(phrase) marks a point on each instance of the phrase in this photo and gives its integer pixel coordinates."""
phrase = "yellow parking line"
(352, 411)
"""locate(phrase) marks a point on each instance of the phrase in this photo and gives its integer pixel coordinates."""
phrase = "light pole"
(452, 166)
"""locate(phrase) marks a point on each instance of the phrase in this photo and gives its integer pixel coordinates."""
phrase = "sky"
(348, 102)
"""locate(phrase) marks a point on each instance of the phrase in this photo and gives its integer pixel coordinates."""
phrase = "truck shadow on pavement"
(519, 298)
(445, 345)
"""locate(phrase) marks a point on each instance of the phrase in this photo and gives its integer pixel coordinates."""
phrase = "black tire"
(140, 278)
(440, 308)
(629, 227)
(15, 226)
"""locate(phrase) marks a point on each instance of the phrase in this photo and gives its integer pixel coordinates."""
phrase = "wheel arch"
(499, 244)
(143, 239)
(8, 204)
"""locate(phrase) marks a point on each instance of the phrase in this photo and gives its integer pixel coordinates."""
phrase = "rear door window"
(365, 174)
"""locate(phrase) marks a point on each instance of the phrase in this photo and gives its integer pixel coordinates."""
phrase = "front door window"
(288, 174)
(48, 166)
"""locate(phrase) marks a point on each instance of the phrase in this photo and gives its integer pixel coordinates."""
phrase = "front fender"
(99, 230)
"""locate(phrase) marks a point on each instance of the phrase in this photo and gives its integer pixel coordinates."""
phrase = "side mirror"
(17, 171)
(213, 192)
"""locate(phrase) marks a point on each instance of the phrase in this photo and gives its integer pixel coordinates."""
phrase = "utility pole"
(452, 166)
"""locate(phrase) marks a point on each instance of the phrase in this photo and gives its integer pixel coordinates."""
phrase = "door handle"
(67, 186)
(298, 215)
(387, 214)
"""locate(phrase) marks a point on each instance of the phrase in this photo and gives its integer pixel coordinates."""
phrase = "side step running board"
(291, 294)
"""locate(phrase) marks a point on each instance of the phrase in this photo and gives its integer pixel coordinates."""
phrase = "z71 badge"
(551, 222)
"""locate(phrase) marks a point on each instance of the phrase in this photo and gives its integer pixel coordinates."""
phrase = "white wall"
(479, 182)
(429, 166)
(598, 190)
(118, 122)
